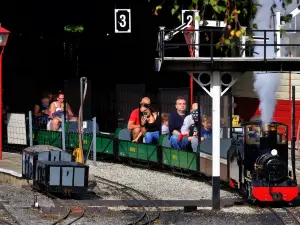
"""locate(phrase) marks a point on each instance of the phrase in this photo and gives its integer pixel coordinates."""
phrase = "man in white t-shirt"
(188, 121)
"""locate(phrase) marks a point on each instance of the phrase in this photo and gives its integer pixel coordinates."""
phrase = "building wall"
(248, 103)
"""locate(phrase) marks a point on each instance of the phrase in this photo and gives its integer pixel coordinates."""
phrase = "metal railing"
(23, 130)
(164, 45)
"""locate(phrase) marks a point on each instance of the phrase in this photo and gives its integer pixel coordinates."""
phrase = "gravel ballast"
(157, 185)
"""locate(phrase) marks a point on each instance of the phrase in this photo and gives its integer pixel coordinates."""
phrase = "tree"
(233, 12)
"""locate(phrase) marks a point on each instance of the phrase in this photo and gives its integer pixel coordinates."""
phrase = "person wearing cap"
(206, 131)
(193, 131)
(134, 123)
(188, 121)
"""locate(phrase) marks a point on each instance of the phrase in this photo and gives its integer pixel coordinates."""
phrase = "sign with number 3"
(122, 21)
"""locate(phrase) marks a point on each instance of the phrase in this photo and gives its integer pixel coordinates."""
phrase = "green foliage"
(74, 28)
(233, 12)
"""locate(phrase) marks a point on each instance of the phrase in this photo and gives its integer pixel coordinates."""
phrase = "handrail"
(164, 44)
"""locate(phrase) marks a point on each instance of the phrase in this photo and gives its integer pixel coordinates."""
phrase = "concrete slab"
(11, 163)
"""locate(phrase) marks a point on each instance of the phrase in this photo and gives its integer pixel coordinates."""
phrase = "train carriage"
(136, 152)
(254, 159)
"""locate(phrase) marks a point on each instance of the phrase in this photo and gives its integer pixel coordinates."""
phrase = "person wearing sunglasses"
(134, 123)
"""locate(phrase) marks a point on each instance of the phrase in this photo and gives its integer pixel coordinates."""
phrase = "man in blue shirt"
(176, 122)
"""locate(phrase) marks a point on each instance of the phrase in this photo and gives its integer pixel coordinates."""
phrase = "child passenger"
(165, 124)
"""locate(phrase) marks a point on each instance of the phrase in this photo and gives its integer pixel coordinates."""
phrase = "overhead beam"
(295, 12)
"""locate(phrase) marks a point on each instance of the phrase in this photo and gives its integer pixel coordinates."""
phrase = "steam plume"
(266, 85)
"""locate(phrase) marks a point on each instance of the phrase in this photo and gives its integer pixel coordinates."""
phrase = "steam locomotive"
(258, 163)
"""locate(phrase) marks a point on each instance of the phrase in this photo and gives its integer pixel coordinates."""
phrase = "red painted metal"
(263, 193)
(1, 110)
(191, 90)
(5, 33)
(189, 40)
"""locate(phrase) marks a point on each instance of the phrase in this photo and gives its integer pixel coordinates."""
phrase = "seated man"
(175, 123)
(188, 121)
(134, 123)
(206, 131)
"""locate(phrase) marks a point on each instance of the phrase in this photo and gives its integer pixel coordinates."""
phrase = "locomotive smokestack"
(269, 140)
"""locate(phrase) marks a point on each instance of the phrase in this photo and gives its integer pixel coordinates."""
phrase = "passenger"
(206, 131)
(165, 124)
(41, 111)
(193, 131)
(56, 111)
(134, 120)
(188, 121)
(48, 95)
(175, 123)
(150, 126)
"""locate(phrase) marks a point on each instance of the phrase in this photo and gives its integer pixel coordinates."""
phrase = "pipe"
(230, 114)
(293, 134)
(191, 90)
(290, 99)
(199, 117)
(80, 119)
(1, 101)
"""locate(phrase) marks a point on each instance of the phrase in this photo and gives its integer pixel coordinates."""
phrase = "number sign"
(187, 16)
(122, 21)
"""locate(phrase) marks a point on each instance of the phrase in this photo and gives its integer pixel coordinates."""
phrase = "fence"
(23, 130)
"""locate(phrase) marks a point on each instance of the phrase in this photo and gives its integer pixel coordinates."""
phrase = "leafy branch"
(74, 28)
(232, 12)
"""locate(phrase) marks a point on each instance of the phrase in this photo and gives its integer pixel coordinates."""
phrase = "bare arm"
(52, 109)
(36, 111)
(131, 125)
(69, 111)
(176, 132)
(138, 137)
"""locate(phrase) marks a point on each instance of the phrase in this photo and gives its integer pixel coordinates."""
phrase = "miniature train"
(254, 159)
(54, 171)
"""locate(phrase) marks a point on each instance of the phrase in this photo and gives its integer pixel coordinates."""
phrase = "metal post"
(30, 129)
(197, 33)
(162, 41)
(1, 108)
(278, 51)
(230, 109)
(216, 95)
(197, 50)
(293, 139)
(94, 141)
(81, 101)
(63, 133)
(243, 46)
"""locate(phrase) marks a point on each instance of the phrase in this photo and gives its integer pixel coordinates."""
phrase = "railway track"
(69, 211)
(6, 217)
(146, 217)
(286, 216)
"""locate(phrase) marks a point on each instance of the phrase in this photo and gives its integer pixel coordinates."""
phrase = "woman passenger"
(56, 111)
(150, 124)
